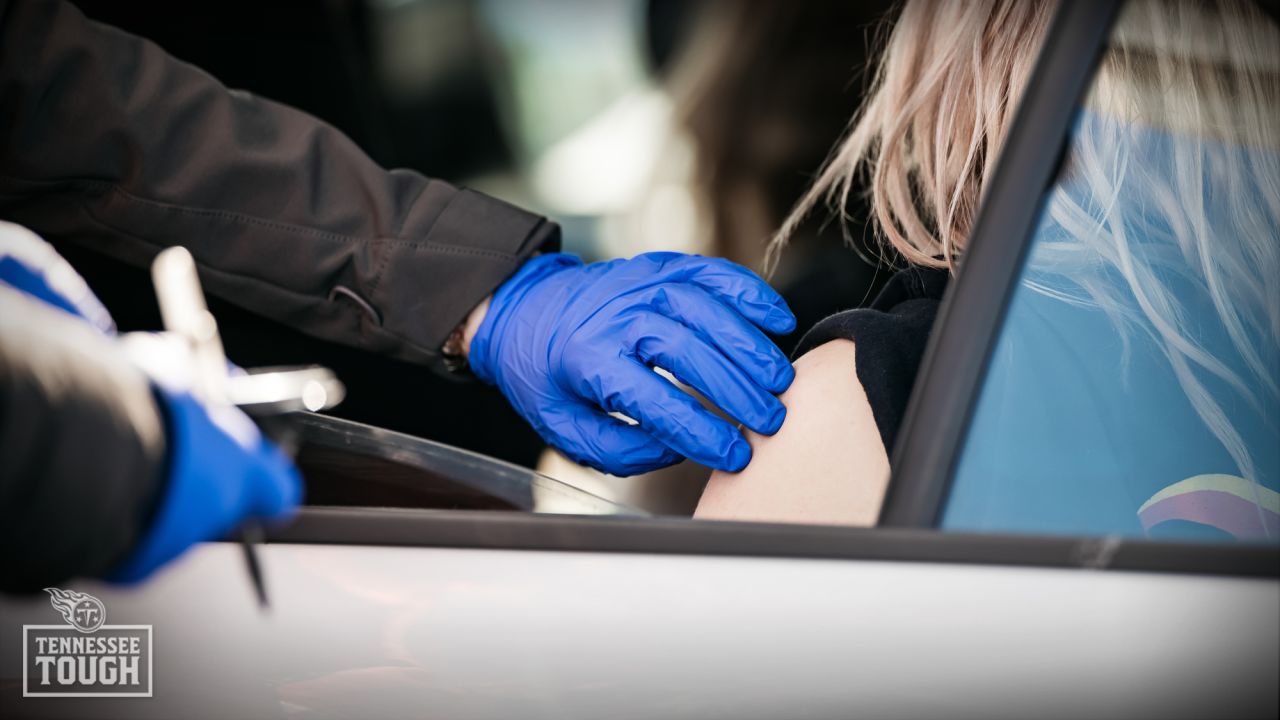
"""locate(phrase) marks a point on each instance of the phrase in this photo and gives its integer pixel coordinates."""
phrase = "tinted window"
(1133, 387)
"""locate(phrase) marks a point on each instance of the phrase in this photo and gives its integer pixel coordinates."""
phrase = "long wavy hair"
(1207, 74)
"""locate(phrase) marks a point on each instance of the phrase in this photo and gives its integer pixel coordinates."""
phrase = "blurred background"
(638, 125)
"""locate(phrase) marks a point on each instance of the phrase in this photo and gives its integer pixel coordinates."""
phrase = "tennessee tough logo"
(85, 657)
(83, 611)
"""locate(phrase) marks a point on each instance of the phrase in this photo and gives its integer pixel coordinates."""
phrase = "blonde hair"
(940, 106)
(930, 132)
(1203, 214)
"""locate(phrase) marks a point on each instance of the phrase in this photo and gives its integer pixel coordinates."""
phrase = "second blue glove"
(568, 343)
(219, 474)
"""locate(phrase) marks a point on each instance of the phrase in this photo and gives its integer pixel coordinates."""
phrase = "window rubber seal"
(504, 530)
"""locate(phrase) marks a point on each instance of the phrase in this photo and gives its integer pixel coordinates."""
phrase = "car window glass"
(1133, 388)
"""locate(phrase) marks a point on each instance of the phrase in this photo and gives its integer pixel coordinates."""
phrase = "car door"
(969, 600)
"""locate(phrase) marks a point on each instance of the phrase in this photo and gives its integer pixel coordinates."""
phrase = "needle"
(185, 314)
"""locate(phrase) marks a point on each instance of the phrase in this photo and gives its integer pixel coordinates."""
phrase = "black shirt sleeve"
(82, 448)
(890, 336)
(108, 142)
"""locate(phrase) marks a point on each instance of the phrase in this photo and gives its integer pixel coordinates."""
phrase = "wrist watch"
(454, 359)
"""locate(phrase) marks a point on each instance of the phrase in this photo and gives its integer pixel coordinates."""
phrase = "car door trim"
(682, 536)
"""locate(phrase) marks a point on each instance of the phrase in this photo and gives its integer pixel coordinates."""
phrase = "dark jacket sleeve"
(108, 142)
(891, 336)
(82, 448)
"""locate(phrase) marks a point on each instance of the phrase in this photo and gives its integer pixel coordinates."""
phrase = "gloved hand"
(220, 469)
(31, 265)
(568, 343)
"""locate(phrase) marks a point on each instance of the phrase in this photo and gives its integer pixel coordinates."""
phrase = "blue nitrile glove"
(568, 343)
(32, 266)
(219, 469)
(218, 474)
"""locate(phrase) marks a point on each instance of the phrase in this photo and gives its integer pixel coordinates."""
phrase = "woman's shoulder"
(825, 465)
(890, 335)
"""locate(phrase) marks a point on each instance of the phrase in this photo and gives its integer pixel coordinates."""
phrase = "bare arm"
(827, 465)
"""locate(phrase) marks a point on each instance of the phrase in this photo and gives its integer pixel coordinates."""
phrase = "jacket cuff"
(474, 245)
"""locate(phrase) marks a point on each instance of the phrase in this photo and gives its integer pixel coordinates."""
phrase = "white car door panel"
(378, 631)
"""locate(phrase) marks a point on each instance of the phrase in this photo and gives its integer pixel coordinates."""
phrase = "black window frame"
(972, 313)
(937, 417)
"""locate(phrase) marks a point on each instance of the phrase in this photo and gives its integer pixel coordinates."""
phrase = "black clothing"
(107, 142)
(82, 447)
(381, 391)
(824, 278)
(111, 145)
(890, 335)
